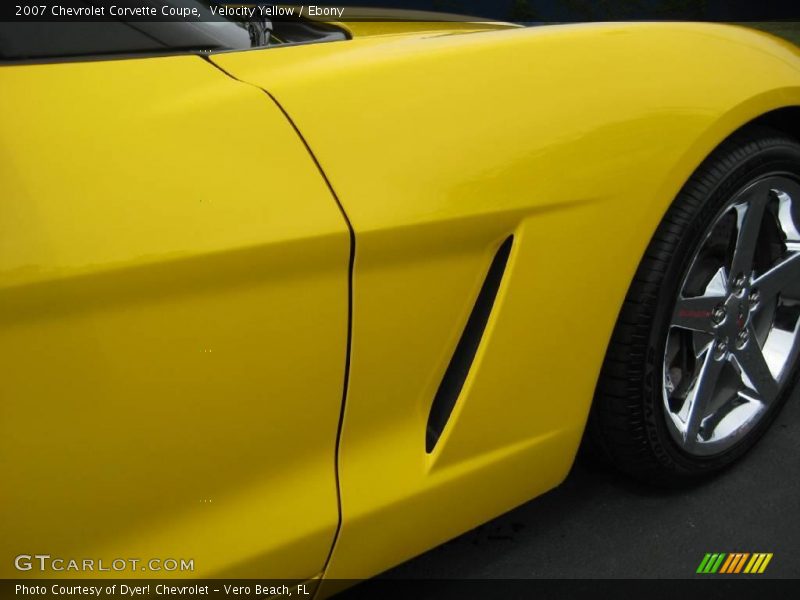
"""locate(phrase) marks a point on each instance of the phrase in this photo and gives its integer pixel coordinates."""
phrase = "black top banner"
(519, 11)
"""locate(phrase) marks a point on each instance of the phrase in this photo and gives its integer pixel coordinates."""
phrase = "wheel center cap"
(734, 329)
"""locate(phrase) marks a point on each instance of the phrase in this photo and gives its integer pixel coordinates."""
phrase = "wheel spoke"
(787, 192)
(755, 370)
(697, 314)
(749, 216)
(782, 278)
(702, 394)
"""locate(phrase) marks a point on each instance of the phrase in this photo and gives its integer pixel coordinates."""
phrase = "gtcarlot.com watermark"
(44, 563)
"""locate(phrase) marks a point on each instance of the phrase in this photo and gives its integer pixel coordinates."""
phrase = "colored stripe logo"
(735, 562)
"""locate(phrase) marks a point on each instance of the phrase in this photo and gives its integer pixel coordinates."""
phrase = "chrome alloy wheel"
(734, 336)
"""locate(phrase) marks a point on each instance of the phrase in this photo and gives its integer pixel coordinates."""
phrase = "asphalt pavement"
(599, 524)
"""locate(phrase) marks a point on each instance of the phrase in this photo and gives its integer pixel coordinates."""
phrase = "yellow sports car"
(287, 299)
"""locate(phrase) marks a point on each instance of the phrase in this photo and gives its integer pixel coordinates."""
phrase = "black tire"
(627, 423)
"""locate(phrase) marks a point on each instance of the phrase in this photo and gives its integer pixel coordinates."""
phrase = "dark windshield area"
(124, 33)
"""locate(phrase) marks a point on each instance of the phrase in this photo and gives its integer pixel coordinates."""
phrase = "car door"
(173, 326)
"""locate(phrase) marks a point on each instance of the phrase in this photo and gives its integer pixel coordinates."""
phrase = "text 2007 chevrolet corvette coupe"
(310, 309)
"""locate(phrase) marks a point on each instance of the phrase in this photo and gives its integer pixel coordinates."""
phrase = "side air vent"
(460, 363)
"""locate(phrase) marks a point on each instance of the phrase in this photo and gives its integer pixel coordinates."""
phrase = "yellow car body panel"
(573, 139)
(173, 324)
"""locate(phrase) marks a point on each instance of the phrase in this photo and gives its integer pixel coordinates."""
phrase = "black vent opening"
(461, 362)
